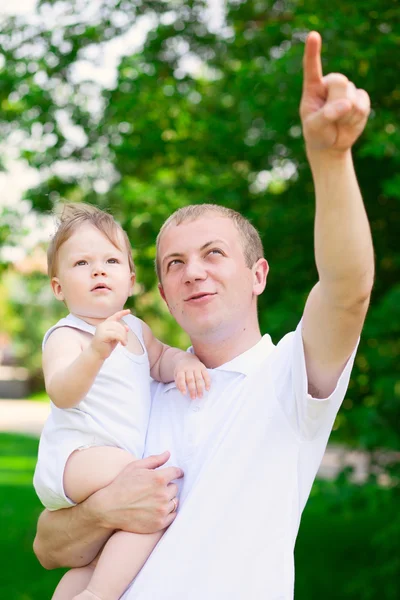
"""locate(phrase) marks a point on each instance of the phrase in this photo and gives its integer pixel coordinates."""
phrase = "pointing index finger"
(312, 66)
(118, 315)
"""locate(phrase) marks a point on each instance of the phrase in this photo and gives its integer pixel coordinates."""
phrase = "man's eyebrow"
(212, 243)
(172, 255)
(203, 247)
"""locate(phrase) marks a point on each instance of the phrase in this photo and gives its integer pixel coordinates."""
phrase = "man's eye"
(174, 262)
(216, 251)
(80, 263)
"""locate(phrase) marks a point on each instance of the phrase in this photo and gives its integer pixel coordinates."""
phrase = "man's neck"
(215, 352)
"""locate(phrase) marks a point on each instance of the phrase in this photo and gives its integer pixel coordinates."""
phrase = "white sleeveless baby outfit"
(115, 412)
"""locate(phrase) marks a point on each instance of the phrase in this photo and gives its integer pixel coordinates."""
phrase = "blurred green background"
(143, 106)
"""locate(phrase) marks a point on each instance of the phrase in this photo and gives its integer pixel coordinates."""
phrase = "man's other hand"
(142, 498)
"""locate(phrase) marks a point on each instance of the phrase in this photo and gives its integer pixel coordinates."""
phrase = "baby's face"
(93, 276)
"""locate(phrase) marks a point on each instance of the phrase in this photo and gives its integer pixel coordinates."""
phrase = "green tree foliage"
(165, 134)
(161, 137)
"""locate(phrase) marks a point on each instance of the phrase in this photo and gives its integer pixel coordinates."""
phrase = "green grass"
(38, 397)
(335, 546)
(333, 550)
(21, 576)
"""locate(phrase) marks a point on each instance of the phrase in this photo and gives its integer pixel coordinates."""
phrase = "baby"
(97, 364)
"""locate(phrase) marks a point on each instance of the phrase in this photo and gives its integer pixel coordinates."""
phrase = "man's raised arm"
(138, 500)
(334, 113)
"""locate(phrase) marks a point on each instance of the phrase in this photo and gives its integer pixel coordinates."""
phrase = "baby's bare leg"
(91, 469)
(73, 583)
(125, 553)
(121, 560)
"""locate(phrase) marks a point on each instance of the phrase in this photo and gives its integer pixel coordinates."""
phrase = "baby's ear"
(57, 290)
(133, 279)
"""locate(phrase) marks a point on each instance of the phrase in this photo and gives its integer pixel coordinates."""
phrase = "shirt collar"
(248, 361)
(245, 363)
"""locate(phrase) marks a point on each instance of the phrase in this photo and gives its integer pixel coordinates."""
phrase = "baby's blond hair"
(74, 214)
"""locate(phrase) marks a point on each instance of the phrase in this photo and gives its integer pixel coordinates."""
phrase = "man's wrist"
(96, 511)
(328, 166)
(318, 158)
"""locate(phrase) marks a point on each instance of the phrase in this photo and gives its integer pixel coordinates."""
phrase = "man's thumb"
(335, 110)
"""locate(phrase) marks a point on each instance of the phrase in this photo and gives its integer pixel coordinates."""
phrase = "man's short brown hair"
(72, 216)
(250, 238)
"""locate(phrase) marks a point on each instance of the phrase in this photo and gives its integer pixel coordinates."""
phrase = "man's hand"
(142, 499)
(191, 375)
(109, 333)
(333, 111)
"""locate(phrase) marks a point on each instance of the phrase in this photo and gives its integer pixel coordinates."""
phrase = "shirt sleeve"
(308, 416)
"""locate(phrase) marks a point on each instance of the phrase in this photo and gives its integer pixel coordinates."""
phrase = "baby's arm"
(69, 370)
(169, 364)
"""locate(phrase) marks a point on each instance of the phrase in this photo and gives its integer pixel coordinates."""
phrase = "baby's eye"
(113, 261)
(80, 263)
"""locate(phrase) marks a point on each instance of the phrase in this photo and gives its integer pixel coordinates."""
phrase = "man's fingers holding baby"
(139, 498)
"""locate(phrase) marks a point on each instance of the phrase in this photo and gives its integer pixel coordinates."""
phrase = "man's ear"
(162, 294)
(133, 279)
(56, 287)
(260, 271)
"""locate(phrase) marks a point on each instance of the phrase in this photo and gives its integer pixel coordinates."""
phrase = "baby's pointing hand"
(109, 333)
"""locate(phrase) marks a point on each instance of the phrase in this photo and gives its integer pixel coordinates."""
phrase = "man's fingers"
(172, 490)
(170, 519)
(312, 66)
(337, 86)
(170, 474)
(152, 462)
(357, 117)
(118, 315)
(351, 106)
(363, 103)
(333, 111)
(173, 505)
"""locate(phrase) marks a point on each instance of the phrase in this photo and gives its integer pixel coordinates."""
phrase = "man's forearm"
(343, 244)
(71, 537)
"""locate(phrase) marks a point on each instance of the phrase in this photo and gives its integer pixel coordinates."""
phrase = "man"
(251, 448)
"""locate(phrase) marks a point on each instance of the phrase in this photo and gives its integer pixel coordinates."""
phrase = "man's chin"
(202, 328)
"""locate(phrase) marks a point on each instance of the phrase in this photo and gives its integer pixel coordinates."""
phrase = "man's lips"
(200, 296)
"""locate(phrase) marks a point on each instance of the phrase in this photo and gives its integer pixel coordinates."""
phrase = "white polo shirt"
(250, 451)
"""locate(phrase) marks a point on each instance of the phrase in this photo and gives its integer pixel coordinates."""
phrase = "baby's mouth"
(100, 286)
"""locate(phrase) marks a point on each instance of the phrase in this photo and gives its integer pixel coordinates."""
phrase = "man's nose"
(194, 271)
